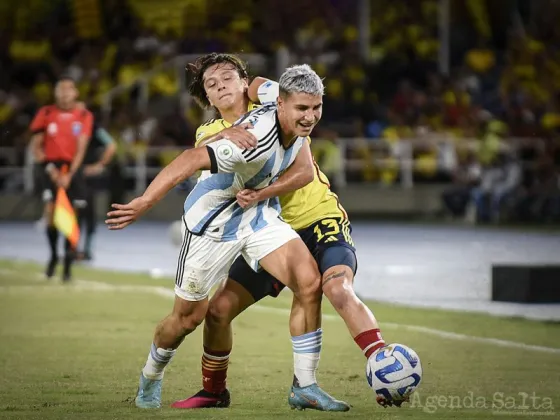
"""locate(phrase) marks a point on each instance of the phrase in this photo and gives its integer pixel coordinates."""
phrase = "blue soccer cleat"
(314, 398)
(149, 393)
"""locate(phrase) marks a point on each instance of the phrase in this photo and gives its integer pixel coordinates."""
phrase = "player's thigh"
(335, 259)
(330, 242)
(258, 284)
(281, 252)
(47, 188)
(203, 263)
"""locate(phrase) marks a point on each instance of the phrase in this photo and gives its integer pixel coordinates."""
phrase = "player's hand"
(246, 198)
(64, 180)
(52, 172)
(93, 170)
(125, 214)
(239, 136)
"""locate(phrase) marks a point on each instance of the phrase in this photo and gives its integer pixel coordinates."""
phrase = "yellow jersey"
(302, 207)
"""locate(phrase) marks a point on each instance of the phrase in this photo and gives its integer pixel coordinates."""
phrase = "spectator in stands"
(482, 58)
(327, 154)
(498, 183)
(389, 95)
(539, 199)
(466, 177)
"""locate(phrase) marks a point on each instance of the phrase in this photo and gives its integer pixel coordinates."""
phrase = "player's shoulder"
(47, 109)
(253, 106)
(85, 113)
(263, 119)
(209, 128)
(267, 131)
(208, 122)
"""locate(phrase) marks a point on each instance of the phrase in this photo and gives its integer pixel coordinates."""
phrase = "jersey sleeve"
(225, 157)
(206, 130)
(39, 123)
(268, 92)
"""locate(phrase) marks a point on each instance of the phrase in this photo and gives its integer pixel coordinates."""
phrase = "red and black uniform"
(62, 129)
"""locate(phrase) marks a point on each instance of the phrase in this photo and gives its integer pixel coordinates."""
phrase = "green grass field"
(75, 351)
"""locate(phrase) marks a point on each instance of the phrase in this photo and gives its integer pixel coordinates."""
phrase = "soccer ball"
(176, 232)
(393, 373)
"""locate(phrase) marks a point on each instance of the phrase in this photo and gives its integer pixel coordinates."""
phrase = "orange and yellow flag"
(65, 218)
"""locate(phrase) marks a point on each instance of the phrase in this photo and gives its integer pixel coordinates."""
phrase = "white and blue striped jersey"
(211, 208)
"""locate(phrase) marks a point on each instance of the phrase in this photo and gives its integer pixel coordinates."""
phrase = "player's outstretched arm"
(182, 167)
(299, 174)
(237, 134)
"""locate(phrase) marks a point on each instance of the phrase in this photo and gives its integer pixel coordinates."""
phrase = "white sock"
(158, 359)
(307, 352)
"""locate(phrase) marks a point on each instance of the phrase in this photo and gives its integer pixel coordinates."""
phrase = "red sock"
(369, 341)
(214, 370)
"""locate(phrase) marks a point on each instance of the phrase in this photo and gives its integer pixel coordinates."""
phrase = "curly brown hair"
(197, 69)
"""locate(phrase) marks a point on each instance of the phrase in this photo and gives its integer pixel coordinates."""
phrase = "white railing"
(400, 151)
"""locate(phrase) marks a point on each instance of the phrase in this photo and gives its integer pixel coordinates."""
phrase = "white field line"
(88, 285)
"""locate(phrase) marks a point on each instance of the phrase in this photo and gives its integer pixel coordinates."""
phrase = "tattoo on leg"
(334, 276)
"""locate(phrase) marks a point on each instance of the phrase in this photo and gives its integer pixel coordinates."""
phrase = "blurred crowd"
(497, 103)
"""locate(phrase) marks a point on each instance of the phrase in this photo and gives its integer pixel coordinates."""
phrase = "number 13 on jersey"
(331, 230)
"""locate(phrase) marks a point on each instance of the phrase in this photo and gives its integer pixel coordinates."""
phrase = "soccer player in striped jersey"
(218, 230)
(313, 211)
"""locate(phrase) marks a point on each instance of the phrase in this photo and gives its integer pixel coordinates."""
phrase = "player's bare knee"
(337, 287)
(189, 314)
(219, 312)
(309, 286)
(189, 322)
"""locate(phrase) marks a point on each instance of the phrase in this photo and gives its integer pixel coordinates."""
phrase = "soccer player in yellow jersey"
(313, 211)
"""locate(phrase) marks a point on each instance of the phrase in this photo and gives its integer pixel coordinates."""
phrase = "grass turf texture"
(75, 351)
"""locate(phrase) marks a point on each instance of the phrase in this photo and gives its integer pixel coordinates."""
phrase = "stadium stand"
(391, 114)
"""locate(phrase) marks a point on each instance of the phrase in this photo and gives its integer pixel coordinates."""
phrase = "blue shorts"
(328, 240)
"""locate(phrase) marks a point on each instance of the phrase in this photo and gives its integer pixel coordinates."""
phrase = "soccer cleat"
(314, 398)
(149, 393)
(51, 267)
(205, 399)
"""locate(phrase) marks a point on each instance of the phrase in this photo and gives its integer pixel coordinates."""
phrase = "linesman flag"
(65, 217)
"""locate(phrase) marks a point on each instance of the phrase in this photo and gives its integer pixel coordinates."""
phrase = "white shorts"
(204, 263)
